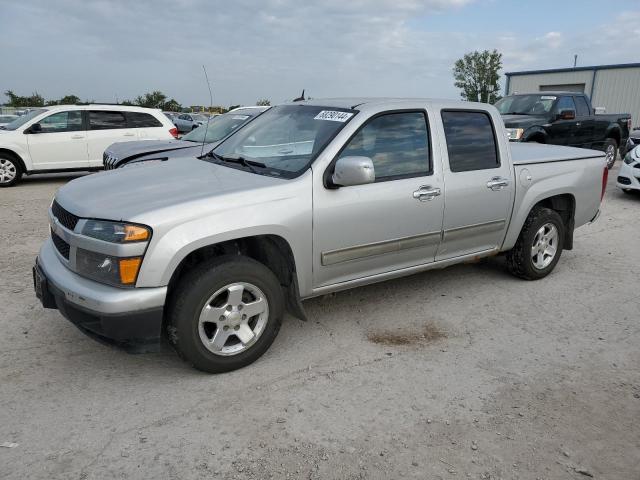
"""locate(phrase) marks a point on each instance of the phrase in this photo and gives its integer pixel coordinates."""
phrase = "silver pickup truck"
(310, 198)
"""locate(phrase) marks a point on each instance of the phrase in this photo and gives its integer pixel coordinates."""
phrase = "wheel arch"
(614, 133)
(271, 250)
(562, 202)
(16, 156)
(535, 134)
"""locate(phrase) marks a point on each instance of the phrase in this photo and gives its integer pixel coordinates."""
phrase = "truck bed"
(528, 153)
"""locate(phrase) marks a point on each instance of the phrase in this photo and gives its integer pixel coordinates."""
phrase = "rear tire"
(208, 310)
(611, 152)
(539, 245)
(10, 170)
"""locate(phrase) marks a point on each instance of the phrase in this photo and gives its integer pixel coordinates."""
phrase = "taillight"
(174, 132)
(605, 177)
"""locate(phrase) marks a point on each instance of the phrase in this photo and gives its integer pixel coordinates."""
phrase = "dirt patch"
(430, 333)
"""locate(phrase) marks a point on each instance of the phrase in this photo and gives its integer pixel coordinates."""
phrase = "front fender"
(17, 149)
(288, 217)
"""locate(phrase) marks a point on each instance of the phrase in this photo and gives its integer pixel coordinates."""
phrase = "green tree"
(155, 99)
(66, 100)
(476, 74)
(263, 102)
(35, 100)
(172, 106)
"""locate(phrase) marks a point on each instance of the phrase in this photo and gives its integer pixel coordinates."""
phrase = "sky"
(107, 51)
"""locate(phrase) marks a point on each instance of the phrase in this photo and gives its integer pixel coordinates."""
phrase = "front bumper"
(130, 318)
(629, 177)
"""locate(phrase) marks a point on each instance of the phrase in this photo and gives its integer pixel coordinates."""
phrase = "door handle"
(426, 193)
(578, 124)
(497, 183)
(129, 134)
(76, 137)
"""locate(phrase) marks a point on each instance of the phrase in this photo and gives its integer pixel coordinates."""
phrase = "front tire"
(10, 171)
(611, 152)
(539, 245)
(225, 313)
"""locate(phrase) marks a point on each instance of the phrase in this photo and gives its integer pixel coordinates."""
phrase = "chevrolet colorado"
(309, 198)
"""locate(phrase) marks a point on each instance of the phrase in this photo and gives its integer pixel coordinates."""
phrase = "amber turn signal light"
(129, 270)
(133, 233)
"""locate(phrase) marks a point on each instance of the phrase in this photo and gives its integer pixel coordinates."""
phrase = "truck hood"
(129, 193)
(523, 121)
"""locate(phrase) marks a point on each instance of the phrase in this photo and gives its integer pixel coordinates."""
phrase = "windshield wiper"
(239, 160)
(515, 113)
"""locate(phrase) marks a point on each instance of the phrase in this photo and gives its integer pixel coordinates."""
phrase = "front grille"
(109, 161)
(68, 220)
(61, 245)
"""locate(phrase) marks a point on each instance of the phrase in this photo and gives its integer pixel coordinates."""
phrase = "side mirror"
(351, 171)
(35, 128)
(567, 115)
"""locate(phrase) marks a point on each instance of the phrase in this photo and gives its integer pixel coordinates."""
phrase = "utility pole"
(575, 60)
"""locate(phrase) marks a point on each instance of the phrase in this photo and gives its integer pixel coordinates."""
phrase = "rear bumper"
(130, 318)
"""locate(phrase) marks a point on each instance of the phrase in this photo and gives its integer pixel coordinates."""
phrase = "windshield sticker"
(333, 115)
(547, 97)
(240, 117)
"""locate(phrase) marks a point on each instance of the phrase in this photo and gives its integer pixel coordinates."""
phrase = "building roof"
(575, 69)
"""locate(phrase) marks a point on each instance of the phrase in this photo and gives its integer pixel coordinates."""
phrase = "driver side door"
(365, 230)
(61, 143)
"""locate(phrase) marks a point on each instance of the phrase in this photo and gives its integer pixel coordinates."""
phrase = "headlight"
(116, 232)
(515, 133)
(108, 269)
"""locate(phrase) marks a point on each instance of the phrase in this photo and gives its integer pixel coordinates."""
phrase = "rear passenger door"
(479, 187)
(106, 127)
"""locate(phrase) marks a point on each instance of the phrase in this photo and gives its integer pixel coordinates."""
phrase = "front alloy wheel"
(233, 318)
(9, 172)
(225, 313)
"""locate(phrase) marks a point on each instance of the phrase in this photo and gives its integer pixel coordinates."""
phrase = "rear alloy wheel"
(10, 171)
(225, 313)
(610, 152)
(539, 245)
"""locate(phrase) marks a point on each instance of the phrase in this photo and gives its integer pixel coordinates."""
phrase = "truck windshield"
(285, 139)
(18, 122)
(525, 104)
(219, 127)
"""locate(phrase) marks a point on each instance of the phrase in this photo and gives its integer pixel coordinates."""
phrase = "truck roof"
(359, 102)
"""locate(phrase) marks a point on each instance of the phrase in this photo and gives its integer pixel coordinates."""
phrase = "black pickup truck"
(564, 118)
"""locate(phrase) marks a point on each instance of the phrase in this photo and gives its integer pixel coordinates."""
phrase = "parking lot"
(466, 372)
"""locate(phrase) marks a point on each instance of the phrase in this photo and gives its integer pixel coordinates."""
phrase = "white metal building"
(616, 88)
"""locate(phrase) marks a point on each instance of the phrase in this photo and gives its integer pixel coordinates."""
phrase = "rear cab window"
(471, 140)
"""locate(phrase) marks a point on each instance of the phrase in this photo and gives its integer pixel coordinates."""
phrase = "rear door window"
(471, 141)
(142, 120)
(106, 120)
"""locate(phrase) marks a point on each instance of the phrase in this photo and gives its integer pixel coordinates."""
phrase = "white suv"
(73, 137)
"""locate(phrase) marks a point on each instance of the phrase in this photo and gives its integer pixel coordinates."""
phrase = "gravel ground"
(460, 373)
